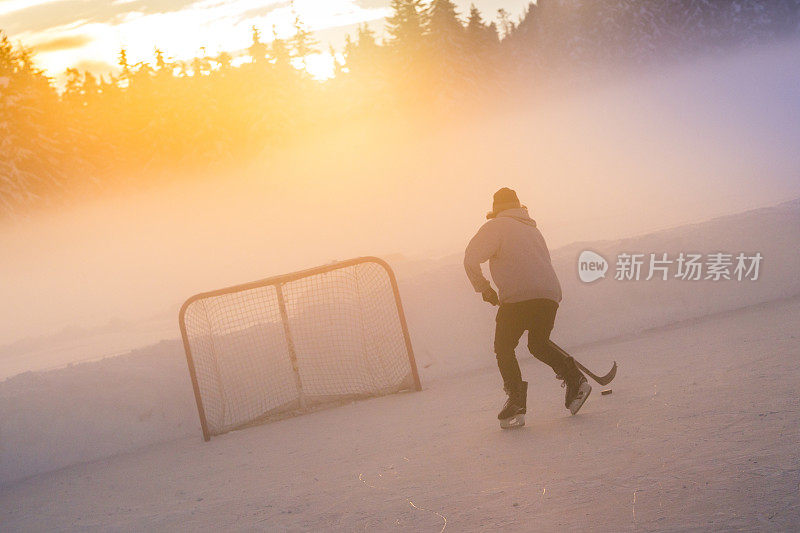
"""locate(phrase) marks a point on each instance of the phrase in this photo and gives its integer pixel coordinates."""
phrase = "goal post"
(291, 343)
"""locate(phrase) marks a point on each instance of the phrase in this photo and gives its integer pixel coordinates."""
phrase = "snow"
(73, 344)
(95, 410)
(90, 411)
(700, 433)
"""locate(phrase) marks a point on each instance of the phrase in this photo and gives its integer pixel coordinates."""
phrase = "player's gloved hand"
(489, 295)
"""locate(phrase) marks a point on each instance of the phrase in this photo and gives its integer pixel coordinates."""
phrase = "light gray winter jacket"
(518, 258)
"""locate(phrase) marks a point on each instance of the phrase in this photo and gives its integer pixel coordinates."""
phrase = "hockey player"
(520, 266)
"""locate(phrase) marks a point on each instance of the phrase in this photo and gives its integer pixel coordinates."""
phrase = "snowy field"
(700, 432)
(91, 411)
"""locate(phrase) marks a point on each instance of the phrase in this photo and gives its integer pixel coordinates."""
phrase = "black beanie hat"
(504, 199)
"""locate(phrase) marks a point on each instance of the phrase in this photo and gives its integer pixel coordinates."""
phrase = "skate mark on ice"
(444, 520)
(411, 503)
(633, 508)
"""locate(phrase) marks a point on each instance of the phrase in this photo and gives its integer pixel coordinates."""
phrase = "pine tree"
(279, 50)
(161, 63)
(481, 36)
(201, 66)
(302, 43)
(406, 63)
(362, 54)
(448, 53)
(443, 23)
(506, 25)
(72, 87)
(29, 143)
(159, 112)
(368, 76)
(406, 25)
(445, 33)
(545, 37)
(125, 67)
(224, 60)
(366, 38)
(257, 49)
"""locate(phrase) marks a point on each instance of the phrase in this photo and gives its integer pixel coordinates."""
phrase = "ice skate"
(513, 412)
(578, 389)
(582, 393)
(516, 421)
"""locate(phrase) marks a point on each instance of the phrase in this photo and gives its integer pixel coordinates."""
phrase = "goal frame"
(278, 282)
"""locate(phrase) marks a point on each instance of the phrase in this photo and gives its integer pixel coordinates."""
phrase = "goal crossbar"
(339, 330)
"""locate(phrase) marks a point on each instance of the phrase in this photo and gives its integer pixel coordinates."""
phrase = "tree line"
(172, 114)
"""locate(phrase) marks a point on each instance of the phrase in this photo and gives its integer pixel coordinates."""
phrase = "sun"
(320, 66)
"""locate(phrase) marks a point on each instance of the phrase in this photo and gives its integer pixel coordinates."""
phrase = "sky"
(88, 34)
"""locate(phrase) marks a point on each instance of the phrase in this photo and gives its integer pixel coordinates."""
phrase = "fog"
(621, 157)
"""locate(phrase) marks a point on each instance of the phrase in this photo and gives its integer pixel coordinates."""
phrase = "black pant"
(537, 317)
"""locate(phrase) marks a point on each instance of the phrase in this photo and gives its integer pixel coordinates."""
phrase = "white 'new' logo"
(591, 266)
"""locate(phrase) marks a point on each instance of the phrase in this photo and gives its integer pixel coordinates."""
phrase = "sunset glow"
(357, 265)
(206, 27)
(91, 38)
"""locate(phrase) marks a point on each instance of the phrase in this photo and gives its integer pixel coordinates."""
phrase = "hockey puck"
(606, 392)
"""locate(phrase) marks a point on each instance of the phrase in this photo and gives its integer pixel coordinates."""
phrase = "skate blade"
(516, 421)
(580, 399)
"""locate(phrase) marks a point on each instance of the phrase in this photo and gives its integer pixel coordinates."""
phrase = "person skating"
(529, 294)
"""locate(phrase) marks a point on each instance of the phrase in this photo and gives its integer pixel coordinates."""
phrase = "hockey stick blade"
(602, 380)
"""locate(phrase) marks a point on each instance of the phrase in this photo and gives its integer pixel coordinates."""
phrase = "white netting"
(342, 327)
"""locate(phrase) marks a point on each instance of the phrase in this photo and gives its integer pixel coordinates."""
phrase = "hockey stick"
(602, 380)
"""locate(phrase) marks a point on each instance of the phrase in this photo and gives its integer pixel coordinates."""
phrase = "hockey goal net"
(287, 344)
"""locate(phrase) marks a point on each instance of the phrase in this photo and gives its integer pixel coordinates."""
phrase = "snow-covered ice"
(700, 433)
